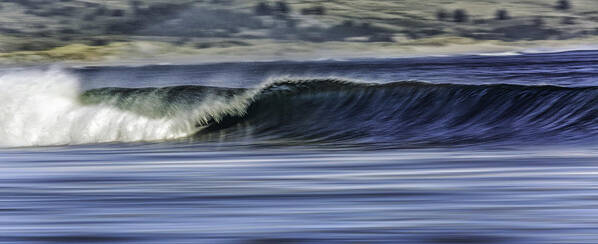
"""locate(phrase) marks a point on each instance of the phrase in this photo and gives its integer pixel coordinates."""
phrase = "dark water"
(467, 149)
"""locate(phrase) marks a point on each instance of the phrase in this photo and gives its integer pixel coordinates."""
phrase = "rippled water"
(259, 188)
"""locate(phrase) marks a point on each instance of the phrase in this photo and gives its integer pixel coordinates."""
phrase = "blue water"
(318, 162)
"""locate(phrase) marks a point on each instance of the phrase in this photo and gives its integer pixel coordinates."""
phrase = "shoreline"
(144, 53)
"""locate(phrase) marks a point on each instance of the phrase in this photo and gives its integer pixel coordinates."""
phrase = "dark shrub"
(263, 9)
(538, 22)
(460, 16)
(568, 20)
(203, 45)
(89, 17)
(42, 34)
(348, 28)
(9, 30)
(135, 4)
(91, 5)
(32, 47)
(282, 7)
(68, 31)
(164, 9)
(563, 5)
(318, 10)
(99, 42)
(291, 23)
(381, 37)
(117, 13)
(101, 10)
(127, 27)
(502, 14)
(442, 15)
(479, 21)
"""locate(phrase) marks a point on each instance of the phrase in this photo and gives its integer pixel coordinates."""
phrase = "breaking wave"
(48, 108)
(45, 108)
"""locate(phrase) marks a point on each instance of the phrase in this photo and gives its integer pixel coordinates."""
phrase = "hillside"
(34, 31)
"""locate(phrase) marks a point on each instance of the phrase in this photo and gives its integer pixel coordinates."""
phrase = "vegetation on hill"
(38, 25)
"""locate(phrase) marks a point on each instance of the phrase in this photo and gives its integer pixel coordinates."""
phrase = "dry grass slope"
(103, 30)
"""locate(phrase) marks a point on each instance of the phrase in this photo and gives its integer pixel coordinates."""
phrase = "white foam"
(501, 54)
(42, 107)
(568, 48)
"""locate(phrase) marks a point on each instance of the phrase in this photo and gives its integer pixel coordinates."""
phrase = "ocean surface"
(460, 149)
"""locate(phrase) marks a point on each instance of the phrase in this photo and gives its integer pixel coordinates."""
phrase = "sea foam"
(42, 107)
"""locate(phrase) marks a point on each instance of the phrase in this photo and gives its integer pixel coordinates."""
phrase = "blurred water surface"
(197, 190)
(158, 193)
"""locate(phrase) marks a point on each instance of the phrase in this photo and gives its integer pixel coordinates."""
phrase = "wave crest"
(48, 108)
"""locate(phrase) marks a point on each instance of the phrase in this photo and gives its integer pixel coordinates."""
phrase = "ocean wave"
(48, 108)
(401, 113)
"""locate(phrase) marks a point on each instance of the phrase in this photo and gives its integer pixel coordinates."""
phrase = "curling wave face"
(407, 114)
(48, 108)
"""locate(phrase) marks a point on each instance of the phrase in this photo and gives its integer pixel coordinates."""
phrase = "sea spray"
(43, 107)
